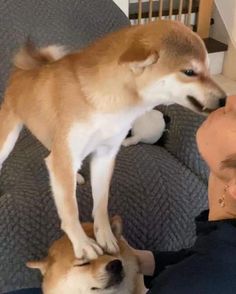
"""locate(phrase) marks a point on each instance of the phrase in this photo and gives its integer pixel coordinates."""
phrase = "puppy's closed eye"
(83, 264)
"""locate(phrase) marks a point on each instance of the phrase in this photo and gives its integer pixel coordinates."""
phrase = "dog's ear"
(38, 264)
(138, 57)
(116, 226)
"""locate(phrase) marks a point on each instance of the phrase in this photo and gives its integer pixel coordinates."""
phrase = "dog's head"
(107, 274)
(170, 65)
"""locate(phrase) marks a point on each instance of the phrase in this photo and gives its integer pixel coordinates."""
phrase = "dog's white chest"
(109, 126)
(102, 130)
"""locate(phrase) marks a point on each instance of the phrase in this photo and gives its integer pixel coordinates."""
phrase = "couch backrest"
(74, 23)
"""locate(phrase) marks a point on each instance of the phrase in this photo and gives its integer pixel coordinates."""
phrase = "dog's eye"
(84, 264)
(189, 72)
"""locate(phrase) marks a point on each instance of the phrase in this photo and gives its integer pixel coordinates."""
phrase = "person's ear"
(116, 226)
(138, 57)
(38, 264)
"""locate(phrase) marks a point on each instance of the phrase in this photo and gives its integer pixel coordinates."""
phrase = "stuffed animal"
(148, 129)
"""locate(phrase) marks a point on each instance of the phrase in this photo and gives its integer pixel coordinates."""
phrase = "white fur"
(84, 247)
(101, 136)
(55, 51)
(80, 179)
(102, 164)
(148, 128)
(9, 143)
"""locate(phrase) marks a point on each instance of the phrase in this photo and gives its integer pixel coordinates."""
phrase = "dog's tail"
(29, 57)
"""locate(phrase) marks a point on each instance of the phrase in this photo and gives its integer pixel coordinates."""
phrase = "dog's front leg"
(102, 165)
(63, 181)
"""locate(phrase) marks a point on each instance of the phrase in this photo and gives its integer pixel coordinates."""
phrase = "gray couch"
(158, 190)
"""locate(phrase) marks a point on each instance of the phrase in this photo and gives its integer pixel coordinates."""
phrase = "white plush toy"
(148, 129)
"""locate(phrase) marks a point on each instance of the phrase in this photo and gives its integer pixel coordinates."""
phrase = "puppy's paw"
(80, 179)
(130, 141)
(106, 239)
(126, 142)
(86, 251)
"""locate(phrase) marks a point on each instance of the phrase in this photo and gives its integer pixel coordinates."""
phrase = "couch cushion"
(180, 140)
(74, 23)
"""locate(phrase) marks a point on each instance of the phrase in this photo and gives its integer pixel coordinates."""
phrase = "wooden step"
(214, 46)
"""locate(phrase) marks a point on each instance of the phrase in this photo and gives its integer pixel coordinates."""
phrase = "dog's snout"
(114, 267)
(222, 102)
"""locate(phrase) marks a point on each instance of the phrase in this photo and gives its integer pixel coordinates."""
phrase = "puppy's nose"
(114, 267)
(222, 102)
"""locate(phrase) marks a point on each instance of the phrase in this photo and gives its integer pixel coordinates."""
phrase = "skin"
(216, 140)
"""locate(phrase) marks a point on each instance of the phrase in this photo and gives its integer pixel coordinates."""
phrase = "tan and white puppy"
(118, 273)
(85, 102)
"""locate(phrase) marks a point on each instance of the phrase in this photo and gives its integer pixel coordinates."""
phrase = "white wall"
(124, 5)
(227, 10)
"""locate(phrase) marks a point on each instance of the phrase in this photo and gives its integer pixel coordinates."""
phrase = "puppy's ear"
(138, 57)
(116, 226)
(39, 264)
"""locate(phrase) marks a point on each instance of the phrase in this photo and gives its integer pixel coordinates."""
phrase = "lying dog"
(106, 275)
(85, 102)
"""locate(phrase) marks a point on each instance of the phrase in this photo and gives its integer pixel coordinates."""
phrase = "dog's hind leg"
(10, 127)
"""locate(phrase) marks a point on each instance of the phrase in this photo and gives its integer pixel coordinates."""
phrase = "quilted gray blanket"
(158, 190)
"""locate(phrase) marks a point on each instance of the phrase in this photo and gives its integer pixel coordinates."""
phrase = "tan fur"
(59, 266)
(85, 102)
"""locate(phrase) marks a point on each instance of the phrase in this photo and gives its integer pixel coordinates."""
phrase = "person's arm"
(153, 263)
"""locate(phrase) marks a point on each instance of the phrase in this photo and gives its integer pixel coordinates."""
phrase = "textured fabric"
(74, 23)
(180, 140)
(158, 191)
(27, 291)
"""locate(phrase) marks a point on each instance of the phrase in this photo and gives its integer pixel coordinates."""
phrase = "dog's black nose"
(222, 102)
(114, 267)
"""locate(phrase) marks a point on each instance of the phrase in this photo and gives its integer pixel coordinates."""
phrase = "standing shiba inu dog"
(85, 102)
(107, 274)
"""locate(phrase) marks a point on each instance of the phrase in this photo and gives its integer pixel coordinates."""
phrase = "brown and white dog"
(118, 273)
(85, 102)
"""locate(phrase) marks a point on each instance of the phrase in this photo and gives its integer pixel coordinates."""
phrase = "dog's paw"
(130, 141)
(126, 143)
(80, 179)
(106, 239)
(86, 251)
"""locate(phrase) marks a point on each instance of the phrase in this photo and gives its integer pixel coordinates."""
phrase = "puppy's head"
(170, 65)
(107, 274)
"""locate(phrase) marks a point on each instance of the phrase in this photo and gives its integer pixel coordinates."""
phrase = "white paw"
(87, 250)
(80, 179)
(106, 239)
(133, 140)
(126, 142)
